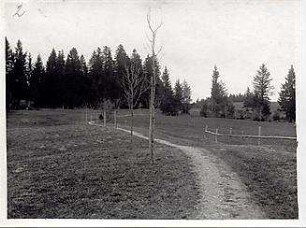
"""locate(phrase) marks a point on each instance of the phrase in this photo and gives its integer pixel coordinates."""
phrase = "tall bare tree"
(133, 84)
(152, 41)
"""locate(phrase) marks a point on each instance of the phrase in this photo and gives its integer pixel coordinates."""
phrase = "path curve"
(223, 195)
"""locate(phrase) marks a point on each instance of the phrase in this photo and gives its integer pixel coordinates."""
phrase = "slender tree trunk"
(152, 85)
(152, 99)
(132, 119)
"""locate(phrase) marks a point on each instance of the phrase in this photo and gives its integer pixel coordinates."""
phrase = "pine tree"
(20, 90)
(287, 96)
(95, 74)
(9, 67)
(60, 90)
(36, 81)
(165, 79)
(121, 62)
(84, 68)
(108, 74)
(219, 99)
(148, 72)
(262, 89)
(248, 99)
(167, 105)
(50, 83)
(178, 95)
(74, 96)
(186, 97)
(86, 79)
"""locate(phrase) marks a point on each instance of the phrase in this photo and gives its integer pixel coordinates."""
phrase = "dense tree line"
(70, 82)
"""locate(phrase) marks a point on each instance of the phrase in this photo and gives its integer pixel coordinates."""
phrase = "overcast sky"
(236, 35)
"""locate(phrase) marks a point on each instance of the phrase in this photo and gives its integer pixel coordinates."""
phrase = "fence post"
(104, 115)
(230, 131)
(86, 116)
(115, 119)
(259, 134)
(206, 128)
(216, 135)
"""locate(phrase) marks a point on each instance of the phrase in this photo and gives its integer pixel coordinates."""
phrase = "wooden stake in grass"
(104, 117)
(115, 119)
(216, 135)
(259, 134)
(86, 115)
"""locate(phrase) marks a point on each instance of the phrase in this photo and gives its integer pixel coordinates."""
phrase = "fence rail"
(225, 135)
(216, 133)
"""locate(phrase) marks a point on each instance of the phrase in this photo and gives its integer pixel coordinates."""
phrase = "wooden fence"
(259, 136)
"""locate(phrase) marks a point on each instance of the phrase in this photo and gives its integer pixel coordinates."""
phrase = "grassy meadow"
(268, 171)
(58, 167)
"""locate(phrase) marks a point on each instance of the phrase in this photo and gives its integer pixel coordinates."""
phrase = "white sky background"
(238, 36)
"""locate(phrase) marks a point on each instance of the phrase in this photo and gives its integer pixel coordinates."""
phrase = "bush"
(276, 116)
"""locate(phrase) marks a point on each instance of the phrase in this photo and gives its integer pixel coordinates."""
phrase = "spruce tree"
(186, 96)
(262, 88)
(95, 74)
(108, 75)
(219, 99)
(36, 81)
(74, 80)
(9, 67)
(167, 105)
(50, 82)
(121, 62)
(287, 96)
(20, 90)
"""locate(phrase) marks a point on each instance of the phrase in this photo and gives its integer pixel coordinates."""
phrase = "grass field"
(268, 171)
(54, 159)
(58, 167)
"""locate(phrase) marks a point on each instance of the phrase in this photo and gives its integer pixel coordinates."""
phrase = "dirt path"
(223, 195)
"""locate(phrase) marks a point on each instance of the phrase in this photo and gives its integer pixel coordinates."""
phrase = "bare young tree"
(152, 41)
(133, 84)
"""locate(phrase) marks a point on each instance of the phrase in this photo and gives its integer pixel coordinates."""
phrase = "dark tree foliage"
(236, 97)
(219, 101)
(167, 105)
(186, 95)
(95, 74)
(178, 95)
(51, 82)
(121, 62)
(148, 71)
(9, 67)
(19, 84)
(108, 84)
(248, 99)
(74, 81)
(287, 96)
(262, 89)
(69, 82)
(60, 89)
(36, 81)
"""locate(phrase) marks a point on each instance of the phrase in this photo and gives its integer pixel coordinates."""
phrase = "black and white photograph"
(153, 113)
